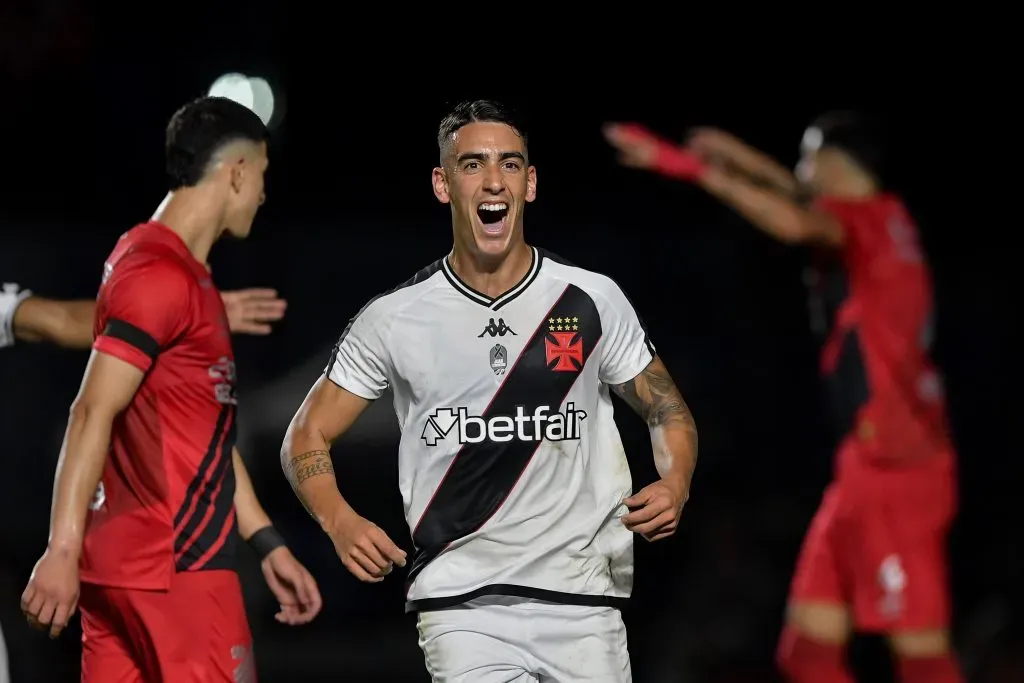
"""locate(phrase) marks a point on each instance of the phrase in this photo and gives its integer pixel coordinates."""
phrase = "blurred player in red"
(874, 559)
(151, 530)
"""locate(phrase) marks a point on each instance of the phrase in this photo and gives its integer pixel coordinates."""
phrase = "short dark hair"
(858, 135)
(477, 111)
(199, 130)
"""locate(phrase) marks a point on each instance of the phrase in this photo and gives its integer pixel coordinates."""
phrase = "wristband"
(669, 159)
(266, 541)
(10, 299)
(673, 162)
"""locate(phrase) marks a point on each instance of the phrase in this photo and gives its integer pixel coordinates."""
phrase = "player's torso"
(169, 474)
(877, 355)
(507, 437)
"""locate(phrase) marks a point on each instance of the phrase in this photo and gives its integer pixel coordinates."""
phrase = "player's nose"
(494, 181)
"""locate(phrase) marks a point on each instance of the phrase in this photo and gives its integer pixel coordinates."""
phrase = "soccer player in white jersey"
(502, 359)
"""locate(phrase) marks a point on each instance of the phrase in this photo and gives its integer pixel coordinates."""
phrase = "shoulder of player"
(603, 289)
(877, 207)
(386, 304)
(153, 264)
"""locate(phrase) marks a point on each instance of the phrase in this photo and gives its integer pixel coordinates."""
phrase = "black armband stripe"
(129, 334)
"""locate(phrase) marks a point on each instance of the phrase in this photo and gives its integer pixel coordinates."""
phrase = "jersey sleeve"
(144, 306)
(359, 360)
(627, 348)
(10, 298)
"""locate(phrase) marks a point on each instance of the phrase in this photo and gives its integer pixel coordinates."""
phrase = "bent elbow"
(84, 410)
(294, 439)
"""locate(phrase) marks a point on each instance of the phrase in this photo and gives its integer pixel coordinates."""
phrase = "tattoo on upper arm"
(308, 465)
(654, 396)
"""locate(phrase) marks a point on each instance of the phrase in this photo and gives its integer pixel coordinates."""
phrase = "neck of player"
(490, 275)
(195, 216)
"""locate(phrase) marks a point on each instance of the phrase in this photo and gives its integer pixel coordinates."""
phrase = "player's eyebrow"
(480, 156)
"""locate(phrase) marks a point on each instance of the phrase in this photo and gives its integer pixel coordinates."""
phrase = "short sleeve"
(358, 362)
(144, 306)
(627, 348)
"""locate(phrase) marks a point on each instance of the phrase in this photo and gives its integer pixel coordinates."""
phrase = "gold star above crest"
(564, 324)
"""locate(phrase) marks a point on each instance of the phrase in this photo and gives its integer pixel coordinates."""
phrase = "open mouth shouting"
(493, 216)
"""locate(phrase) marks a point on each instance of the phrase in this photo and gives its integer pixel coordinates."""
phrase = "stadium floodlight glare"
(252, 92)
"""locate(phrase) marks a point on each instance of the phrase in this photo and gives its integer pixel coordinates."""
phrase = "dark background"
(350, 213)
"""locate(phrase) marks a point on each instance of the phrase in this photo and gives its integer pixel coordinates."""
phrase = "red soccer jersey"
(166, 500)
(878, 349)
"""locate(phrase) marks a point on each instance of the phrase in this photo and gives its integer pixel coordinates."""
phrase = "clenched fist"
(365, 549)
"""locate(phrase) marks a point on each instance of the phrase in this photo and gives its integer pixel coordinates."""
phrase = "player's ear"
(440, 181)
(238, 175)
(531, 183)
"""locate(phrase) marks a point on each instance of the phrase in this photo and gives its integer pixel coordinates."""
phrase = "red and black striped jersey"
(889, 393)
(165, 502)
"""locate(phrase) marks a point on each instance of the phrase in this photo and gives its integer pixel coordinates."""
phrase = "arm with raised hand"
(26, 317)
(775, 214)
(720, 148)
(64, 323)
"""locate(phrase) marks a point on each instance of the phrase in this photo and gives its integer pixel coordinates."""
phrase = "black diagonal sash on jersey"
(483, 474)
(207, 489)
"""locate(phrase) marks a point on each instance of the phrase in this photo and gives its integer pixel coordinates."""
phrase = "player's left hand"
(640, 148)
(293, 586)
(655, 510)
(250, 311)
(636, 149)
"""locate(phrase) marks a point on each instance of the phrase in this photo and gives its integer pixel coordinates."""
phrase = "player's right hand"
(51, 597)
(365, 549)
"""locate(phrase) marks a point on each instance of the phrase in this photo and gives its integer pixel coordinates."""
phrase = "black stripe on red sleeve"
(132, 335)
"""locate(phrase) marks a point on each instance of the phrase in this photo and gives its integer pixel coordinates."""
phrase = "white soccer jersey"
(10, 298)
(510, 464)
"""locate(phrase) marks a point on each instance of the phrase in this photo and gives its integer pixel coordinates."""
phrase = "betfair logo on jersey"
(523, 426)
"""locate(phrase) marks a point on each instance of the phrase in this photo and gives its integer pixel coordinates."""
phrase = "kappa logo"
(497, 330)
(542, 424)
(566, 351)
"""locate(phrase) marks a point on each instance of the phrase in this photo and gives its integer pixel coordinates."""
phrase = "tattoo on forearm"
(654, 396)
(307, 465)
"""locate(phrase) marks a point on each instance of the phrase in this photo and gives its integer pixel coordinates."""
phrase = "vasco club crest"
(564, 344)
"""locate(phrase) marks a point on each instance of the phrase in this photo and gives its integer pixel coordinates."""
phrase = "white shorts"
(509, 640)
